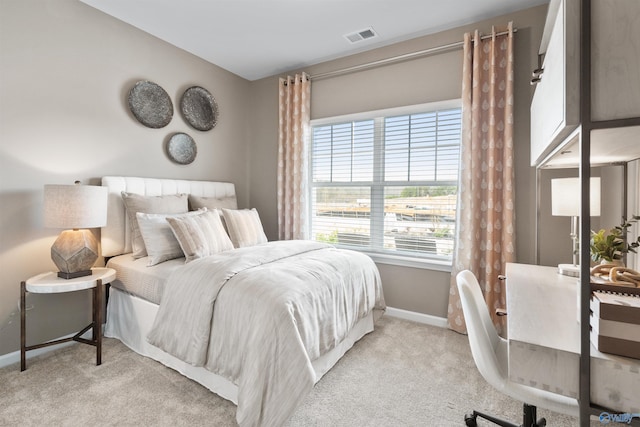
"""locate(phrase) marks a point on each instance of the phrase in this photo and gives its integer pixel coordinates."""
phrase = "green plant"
(443, 232)
(328, 238)
(613, 244)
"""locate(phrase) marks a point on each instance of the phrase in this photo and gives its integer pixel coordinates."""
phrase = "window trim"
(430, 263)
(413, 262)
(394, 111)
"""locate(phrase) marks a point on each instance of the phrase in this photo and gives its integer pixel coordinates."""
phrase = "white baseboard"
(11, 358)
(417, 317)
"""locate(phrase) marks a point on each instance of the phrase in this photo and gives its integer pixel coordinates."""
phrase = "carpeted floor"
(402, 374)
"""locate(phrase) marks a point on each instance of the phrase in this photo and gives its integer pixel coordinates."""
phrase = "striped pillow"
(159, 240)
(196, 202)
(245, 228)
(200, 235)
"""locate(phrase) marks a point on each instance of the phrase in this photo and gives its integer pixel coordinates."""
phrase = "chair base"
(528, 418)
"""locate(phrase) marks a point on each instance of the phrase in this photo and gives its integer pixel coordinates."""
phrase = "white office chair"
(489, 352)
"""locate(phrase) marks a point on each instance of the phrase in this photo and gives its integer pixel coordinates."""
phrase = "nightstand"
(50, 283)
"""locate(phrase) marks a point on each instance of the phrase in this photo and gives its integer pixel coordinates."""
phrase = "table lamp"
(565, 201)
(76, 207)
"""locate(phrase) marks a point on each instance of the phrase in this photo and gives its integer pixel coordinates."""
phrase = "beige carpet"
(402, 374)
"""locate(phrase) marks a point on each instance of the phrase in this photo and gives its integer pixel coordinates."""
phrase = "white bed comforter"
(278, 306)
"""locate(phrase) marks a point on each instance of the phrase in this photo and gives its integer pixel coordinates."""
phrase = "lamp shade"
(565, 196)
(75, 206)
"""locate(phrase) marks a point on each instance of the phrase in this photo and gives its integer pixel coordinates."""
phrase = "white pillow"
(160, 242)
(134, 203)
(245, 228)
(200, 235)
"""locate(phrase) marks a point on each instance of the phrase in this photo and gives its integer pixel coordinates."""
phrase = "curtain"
(293, 136)
(486, 209)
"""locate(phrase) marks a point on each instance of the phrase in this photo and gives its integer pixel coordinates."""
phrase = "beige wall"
(66, 69)
(429, 79)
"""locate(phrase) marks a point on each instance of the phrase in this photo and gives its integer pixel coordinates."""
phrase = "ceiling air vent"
(361, 35)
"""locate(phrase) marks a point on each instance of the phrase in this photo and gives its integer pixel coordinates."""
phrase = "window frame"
(377, 184)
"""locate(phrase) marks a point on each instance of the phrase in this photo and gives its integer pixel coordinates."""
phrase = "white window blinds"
(387, 183)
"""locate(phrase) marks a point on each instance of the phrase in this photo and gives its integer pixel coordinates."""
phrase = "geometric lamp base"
(74, 252)
(63, 275)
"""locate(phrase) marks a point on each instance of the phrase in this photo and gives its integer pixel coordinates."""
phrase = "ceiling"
(261, 38)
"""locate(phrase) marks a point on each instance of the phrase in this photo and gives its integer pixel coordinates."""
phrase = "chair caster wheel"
(470, 420)
(541, 422)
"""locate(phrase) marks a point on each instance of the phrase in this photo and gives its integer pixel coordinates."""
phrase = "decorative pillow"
(160, 242)
(197, 202)
(245, 228)
(200, 235)
(134, 203)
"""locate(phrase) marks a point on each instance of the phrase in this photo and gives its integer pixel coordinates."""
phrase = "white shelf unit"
(601, 38)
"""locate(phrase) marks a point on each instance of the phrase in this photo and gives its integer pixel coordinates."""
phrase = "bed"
(258, 323)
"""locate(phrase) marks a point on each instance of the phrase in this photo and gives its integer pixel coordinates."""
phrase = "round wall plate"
(199, 108)
(182, 149)
(150, 104)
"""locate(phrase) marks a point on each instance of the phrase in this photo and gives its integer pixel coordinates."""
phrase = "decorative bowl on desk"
(614, 278)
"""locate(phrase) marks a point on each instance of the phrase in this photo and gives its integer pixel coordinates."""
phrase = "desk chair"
(490, 353)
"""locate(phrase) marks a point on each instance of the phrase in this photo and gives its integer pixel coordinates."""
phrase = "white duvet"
(259, 315)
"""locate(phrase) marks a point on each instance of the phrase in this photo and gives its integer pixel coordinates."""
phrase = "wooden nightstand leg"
(97, 320)
(23, 332)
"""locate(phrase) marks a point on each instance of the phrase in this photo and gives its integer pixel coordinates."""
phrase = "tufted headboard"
(115, 236)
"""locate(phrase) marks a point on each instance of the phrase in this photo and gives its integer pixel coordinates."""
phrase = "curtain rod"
(400, 58)
(292, 80)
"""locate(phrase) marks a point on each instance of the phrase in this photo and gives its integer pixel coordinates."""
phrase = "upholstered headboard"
(115, 236)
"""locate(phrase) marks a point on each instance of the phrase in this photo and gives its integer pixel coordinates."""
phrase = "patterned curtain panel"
(486, 240)
(293, 135)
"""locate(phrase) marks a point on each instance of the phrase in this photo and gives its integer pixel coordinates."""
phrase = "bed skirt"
(130, 318)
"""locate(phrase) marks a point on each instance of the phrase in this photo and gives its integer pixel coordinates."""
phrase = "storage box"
(615, 323)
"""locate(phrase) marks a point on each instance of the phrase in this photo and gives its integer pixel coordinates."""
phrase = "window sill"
(404, 261)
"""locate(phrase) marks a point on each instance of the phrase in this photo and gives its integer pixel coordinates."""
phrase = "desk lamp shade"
(565, 201)
(76, 207)
(565, 197)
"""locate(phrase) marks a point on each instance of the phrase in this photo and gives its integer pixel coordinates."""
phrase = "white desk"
(544, 341)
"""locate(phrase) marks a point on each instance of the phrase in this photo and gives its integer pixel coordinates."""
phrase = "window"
(386, 182)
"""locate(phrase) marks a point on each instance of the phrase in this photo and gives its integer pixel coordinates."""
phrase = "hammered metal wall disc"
(182, 149)
(199, 108)
(150, 104)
